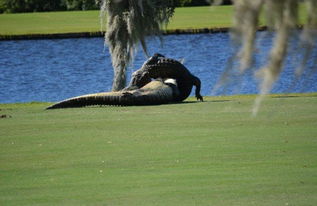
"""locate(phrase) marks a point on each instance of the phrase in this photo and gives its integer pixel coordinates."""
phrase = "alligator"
(158, 66)
(172, 83)
(156, 92)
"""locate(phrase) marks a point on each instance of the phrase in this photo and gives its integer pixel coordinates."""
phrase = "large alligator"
(154, 93)
(173, 83)
(158, 66)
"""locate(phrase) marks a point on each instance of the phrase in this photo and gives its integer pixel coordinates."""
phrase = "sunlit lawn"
(89, 21)
(210, 153)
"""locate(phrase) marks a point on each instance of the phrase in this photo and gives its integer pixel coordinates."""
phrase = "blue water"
(52, 70)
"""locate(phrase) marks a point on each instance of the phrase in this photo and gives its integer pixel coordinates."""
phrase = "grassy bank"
(210, 153)
(49, 22)
(88, 21)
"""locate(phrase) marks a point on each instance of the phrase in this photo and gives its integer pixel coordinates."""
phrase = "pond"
(52, 70)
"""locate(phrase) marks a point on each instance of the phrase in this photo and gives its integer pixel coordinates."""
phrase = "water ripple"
(52, 70)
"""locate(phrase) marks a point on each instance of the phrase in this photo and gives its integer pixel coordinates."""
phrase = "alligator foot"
(199, 97)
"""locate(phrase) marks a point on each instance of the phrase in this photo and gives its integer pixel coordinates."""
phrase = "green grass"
(49, 22)
(210, 153)
(201, 17)
(88, 21)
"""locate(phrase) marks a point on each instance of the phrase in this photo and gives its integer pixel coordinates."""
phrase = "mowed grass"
(49, 22)
(89, 21)
(210, 153)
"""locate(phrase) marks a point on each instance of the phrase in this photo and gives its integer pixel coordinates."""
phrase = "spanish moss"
(281, 18)
(128, 23)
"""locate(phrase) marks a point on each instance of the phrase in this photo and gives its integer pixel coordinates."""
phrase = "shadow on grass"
(285, 96)
(172, 103)
(219, 100)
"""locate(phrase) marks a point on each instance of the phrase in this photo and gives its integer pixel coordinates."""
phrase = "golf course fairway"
(194, 153)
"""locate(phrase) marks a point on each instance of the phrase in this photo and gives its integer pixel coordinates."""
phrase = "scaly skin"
(160, 67)
(154, 93)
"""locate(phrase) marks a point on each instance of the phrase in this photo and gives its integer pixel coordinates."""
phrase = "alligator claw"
(199, 97)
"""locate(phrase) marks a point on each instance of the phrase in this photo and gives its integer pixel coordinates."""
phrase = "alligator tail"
(154, 93)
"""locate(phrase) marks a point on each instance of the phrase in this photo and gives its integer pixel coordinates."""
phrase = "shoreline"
(101, 34)
(208, 98)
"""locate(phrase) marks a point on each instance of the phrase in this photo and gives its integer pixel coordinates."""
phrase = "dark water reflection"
(52, 70)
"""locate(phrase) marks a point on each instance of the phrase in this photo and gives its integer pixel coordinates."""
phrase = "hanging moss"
(282, 18)
(129, 22)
